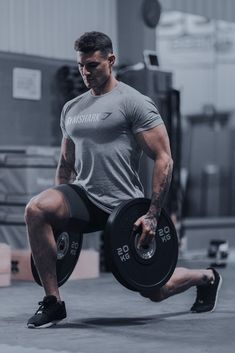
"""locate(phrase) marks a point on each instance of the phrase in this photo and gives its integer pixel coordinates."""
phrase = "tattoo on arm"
(65, 171)
(159, 197)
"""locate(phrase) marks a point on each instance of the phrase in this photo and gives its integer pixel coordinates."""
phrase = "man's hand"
(148, 225)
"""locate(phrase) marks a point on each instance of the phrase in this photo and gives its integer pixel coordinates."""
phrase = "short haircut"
(93, 41)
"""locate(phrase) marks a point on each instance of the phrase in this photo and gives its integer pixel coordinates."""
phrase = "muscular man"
(105, 131)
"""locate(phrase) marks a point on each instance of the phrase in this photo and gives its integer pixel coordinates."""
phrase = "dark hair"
(92, 41)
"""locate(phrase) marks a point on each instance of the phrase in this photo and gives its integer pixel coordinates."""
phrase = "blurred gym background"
(181, 53)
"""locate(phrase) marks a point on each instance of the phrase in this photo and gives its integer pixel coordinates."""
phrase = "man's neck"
(108, 86)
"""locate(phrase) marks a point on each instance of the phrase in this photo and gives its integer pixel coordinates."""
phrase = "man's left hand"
(148, 224)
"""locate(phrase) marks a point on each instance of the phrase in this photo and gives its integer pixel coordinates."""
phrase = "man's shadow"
(117, 321)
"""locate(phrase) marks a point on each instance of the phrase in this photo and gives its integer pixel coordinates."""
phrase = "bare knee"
(34, 210)
(163, 293)
(155, 295)
(49, 206)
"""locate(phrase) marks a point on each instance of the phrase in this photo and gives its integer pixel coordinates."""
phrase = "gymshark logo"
(87, 118)
(105, 115)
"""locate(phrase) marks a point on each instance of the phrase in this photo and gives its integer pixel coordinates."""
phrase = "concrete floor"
(103, 317)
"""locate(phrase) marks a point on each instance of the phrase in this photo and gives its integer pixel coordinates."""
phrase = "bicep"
(155, 142)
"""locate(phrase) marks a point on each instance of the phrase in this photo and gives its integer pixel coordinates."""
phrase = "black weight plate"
(108, 250)
(150, 269)
(69, 245)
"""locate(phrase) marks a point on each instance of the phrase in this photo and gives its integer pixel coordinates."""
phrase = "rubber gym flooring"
(103, 317)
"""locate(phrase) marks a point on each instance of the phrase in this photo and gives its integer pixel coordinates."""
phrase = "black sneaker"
(207, 295)
(49, 313)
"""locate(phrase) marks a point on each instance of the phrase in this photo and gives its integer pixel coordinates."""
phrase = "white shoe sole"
(49, 324)
(216, 297)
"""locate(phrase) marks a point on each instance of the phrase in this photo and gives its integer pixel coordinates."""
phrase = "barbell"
(137, 269)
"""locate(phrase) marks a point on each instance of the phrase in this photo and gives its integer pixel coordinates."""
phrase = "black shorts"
(87, 216)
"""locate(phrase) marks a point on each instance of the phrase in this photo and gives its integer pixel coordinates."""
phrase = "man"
(104, 133)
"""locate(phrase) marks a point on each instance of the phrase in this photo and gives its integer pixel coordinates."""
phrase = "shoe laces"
(44, 304)
(41, 309)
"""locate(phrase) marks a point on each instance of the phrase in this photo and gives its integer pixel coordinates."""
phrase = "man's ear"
(111, 59)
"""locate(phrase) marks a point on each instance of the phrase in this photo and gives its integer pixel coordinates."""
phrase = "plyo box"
(5, 265)
(87, 265)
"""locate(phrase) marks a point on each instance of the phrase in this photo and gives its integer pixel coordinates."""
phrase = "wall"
(39, 34)
(30, 121)
(133, 35)
(201, 53)
(216, 9)
(49, 27)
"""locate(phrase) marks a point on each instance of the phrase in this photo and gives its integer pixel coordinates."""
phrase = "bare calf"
(44, 212)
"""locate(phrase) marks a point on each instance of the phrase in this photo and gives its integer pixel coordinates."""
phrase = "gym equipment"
(137, 269)
(148, 267)
(69, 245)
(219, 251)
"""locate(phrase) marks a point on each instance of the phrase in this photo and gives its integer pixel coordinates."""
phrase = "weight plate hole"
(62, 245)
(147, 251)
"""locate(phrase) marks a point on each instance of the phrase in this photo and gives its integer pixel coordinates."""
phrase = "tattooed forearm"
(65, 172)
(160, 192)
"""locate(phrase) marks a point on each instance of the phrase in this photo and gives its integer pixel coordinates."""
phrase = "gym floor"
(103, 316)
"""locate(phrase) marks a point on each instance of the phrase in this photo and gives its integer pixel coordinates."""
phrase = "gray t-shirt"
(103, 130)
